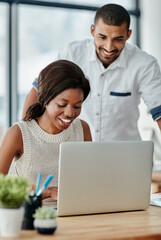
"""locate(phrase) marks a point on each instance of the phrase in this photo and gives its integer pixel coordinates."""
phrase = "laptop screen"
(97, 177)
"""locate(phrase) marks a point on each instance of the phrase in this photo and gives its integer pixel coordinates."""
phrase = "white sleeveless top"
(41, 150)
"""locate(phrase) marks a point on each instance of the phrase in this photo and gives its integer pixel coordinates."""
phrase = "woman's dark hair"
(113, 14)
(54, 79)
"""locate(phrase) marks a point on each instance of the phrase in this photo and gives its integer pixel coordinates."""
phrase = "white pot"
(11, 221)
(45, 226)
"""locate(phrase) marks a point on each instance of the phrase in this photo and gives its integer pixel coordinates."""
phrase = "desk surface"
(126, 225)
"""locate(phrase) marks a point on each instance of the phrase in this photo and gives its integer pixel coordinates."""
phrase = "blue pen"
(45, 184)
(38, 183)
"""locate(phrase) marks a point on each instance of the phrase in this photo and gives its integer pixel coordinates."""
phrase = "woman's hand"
(50, 192)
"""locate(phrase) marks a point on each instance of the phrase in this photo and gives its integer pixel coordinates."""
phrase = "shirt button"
(97, 114)
(102, 75)
(97, 131)
(98, 95)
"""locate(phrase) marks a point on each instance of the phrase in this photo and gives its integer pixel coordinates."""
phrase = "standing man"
(119, 74)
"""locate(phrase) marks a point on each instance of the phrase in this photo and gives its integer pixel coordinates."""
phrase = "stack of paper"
(155, 199)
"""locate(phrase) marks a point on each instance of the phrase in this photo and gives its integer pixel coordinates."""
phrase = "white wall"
(151, 27)
(150, 31)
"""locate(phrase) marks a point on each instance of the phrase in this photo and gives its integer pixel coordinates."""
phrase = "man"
(119, 74)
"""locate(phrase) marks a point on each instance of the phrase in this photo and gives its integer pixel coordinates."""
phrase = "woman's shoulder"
(13, 136)
(14, 131)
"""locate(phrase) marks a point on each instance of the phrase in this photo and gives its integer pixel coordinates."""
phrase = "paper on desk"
(49, 202)
(155, 199)
(155, 203)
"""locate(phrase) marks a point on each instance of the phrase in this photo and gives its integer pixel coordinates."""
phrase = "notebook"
(101, 177)
(155, 199)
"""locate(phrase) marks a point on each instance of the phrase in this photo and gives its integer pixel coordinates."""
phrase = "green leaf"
(13, 191)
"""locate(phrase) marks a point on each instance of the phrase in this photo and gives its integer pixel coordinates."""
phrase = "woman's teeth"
(66, 120)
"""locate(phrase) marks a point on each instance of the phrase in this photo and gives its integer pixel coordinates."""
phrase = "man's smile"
(107, 54)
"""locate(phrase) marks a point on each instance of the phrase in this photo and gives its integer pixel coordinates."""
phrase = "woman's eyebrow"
(63, 99)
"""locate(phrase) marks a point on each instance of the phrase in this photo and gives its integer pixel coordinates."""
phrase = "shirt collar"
(93, 55)
(119, 62)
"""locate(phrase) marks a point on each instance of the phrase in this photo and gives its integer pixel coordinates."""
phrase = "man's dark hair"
(113, 14)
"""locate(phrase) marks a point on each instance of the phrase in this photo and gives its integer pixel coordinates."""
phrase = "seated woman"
(34, 142)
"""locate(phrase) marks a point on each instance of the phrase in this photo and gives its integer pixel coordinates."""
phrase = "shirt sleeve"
(35, 83)
(156, 113)
(150, 88)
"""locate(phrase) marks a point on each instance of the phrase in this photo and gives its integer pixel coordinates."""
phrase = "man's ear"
(129, 33)
(92, 30)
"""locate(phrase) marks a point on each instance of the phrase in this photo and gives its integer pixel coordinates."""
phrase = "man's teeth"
(108, 54)
(65, 120)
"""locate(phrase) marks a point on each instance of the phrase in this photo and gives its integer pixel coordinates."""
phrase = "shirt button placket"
(98, 109)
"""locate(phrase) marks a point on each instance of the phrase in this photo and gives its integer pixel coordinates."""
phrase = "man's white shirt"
(111, 109)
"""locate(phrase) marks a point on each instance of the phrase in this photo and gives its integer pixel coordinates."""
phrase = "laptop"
(102, 177)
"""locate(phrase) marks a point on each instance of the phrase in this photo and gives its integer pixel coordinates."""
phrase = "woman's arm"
(86, 131)
(11, 146)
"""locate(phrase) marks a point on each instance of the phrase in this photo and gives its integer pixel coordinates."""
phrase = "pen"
(45, 184)
(38, 183)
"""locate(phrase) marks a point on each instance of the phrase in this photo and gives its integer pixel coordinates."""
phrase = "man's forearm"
(30, 99)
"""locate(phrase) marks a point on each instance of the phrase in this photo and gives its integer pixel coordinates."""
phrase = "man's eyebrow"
(102, 35)
(119, 37)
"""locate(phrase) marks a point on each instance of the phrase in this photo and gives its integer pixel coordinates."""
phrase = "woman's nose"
(69, 112)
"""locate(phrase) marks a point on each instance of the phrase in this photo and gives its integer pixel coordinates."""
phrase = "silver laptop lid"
(98, 177)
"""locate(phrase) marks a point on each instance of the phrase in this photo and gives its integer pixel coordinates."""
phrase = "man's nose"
(109, 45)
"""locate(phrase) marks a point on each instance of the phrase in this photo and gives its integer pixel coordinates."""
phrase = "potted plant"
(45, 220)
(13, 192)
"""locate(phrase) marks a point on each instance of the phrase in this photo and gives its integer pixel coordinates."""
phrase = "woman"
(34, 142)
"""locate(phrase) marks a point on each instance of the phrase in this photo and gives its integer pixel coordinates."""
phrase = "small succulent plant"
(45, 220)
(45, 212)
